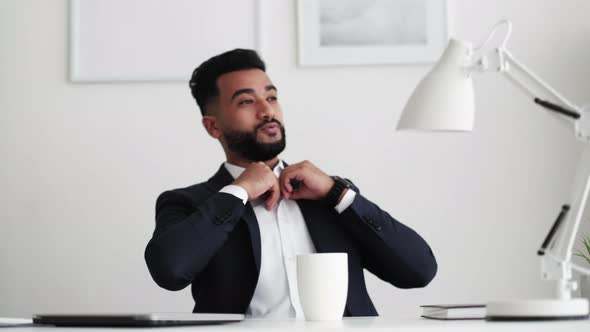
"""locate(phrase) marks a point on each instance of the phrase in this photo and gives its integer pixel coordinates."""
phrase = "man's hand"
(260, 182)
(313, 183)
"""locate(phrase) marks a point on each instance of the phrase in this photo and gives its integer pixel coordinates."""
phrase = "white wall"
(82, 164)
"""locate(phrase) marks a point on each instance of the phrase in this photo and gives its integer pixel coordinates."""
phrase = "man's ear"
(211, 125)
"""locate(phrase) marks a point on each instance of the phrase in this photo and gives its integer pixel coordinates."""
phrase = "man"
(234, 238)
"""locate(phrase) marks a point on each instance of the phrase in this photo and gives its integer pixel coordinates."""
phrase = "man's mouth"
(270, 128)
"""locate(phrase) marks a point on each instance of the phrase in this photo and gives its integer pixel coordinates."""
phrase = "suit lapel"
(313, 221)
(252, 223)
(221, 179)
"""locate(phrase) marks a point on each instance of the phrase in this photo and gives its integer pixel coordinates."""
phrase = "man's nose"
(265, 109)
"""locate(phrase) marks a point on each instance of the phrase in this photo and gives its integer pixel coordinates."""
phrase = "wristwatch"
(340, 185)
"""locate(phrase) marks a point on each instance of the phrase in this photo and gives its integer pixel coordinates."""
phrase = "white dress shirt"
(283, 236)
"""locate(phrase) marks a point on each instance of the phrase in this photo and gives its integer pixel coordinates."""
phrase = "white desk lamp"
(444, 101)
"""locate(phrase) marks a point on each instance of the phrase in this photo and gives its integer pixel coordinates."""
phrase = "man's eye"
(271, 98)
(245, 102)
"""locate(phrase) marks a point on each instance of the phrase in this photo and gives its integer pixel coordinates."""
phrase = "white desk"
(384, 324)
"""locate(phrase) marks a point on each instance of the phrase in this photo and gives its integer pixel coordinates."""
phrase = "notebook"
(137, 320)
(10, 322)
(454, 311)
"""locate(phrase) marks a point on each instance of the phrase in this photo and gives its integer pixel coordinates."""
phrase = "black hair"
(203, 83)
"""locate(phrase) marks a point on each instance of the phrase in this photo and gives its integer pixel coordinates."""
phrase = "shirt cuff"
(237, 191)
(346, 201)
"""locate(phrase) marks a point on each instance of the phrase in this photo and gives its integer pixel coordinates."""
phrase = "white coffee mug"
(322, 281)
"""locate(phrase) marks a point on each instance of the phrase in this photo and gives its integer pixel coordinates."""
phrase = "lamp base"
(526, 310)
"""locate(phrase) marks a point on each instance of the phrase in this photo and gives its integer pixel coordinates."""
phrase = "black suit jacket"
(211, 240)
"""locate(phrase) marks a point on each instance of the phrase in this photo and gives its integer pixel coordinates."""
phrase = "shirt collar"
(236, 171)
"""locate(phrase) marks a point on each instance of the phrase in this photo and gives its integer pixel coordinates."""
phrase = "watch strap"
(340, 185)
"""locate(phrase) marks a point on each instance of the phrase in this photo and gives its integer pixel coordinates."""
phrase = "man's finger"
(285, 183)
(295, 196)
(293, 167)
(274, 196)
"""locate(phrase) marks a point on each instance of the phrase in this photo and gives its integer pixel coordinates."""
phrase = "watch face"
(347, 183)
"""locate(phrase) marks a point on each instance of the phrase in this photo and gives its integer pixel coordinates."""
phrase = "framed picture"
(155, 40)
(363, 32)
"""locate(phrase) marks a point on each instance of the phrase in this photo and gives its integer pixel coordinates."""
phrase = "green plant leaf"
(587, 244)
(581, 254)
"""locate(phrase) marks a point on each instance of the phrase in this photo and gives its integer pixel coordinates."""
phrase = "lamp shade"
(444, 99)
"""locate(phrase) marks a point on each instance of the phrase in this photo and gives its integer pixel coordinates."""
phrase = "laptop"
(136, 320)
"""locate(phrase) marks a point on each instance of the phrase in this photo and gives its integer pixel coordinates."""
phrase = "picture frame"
(155, 40)
(351, 32)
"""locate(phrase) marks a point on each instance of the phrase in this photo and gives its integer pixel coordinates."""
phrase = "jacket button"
(217, 220)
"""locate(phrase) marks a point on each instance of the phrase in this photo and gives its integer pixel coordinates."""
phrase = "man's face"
(249, 115)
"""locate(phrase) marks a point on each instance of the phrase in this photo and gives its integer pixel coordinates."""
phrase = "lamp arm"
(562, 255)
(580, 269)
(560, 266)
(569, 235)
(544, 103)
(508, 61)
(527, 81)
(573, 266)
(548, 105)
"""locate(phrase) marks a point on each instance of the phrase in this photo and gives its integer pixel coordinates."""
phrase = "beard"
(244, 143)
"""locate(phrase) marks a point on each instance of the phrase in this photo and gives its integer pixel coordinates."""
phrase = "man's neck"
(245, 163)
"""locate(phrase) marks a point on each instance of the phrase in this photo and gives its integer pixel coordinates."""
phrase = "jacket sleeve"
(391, 250)
(188, 235)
